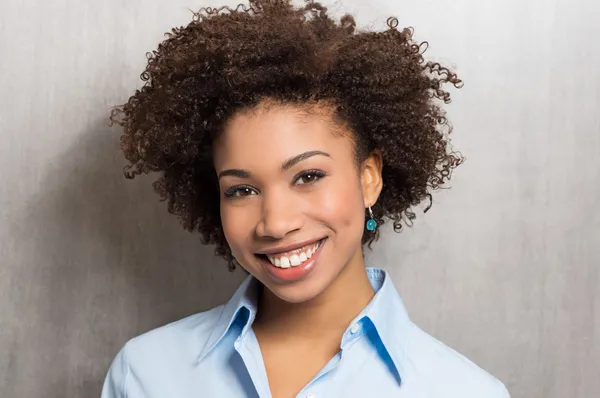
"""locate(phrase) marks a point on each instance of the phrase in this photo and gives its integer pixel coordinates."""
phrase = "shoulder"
(453, 374)
(186, 337)
(161, 351)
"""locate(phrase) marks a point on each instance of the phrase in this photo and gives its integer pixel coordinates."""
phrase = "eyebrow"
(289, 163)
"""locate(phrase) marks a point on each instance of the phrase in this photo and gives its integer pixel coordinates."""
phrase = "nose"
(279, 217)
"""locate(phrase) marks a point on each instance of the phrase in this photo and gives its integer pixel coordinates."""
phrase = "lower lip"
(293, 274)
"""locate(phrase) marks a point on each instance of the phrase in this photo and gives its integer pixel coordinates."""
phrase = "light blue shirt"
(215, 354)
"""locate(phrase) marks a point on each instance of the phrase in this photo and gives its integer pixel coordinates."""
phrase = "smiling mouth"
(292, 258)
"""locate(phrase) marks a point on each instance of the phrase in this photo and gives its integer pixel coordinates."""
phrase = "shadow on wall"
(107, 263)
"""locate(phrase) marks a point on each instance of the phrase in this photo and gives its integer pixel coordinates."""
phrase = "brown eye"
(309, 177)
(239, 191)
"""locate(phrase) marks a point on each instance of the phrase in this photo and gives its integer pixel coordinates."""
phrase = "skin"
(299, 324)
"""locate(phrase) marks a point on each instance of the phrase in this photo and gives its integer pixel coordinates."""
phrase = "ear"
(370, 177)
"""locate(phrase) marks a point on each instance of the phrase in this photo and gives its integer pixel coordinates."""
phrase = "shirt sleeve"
(116, 378)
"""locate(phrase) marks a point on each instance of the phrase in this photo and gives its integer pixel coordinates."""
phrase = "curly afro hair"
(226, 60)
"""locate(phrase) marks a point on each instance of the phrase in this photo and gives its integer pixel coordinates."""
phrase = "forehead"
(273, 133)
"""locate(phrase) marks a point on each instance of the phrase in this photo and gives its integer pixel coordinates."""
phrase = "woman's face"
(292, 198)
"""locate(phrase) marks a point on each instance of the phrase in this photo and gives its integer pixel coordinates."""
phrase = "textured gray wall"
(504, 267)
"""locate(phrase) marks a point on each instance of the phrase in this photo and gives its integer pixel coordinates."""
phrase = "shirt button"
(311, 395)
(354, 328)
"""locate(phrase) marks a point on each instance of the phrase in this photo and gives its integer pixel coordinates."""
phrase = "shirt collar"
(242, 303)
(386, 313)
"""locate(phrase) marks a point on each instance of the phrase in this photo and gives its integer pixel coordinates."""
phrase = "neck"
(332, 310)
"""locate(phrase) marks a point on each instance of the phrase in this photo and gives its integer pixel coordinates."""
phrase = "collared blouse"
(216, 354)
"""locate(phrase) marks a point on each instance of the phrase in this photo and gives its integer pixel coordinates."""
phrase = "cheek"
(236, 227)
(341, 205)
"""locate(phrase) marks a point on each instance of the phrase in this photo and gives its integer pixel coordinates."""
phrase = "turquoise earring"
(371, 223)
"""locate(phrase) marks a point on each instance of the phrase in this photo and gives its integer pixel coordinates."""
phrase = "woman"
(286, 140)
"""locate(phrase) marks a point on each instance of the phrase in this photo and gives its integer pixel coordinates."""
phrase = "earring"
(371, 223)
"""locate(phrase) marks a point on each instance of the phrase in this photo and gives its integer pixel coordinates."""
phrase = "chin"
(300, 293)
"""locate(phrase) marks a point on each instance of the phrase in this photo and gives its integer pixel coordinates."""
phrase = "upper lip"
(290, 247)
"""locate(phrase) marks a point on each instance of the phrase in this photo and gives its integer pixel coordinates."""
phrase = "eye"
(239, 191)
(309, 177)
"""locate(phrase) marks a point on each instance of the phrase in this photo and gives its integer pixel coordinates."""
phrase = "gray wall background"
(504, 268)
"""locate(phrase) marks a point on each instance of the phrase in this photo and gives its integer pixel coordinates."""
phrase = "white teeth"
(295, 259)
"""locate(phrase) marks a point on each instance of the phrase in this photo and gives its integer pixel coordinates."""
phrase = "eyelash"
(235, 191)
(314, 173)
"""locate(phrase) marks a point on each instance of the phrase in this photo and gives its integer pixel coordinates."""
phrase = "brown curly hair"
(226, 60)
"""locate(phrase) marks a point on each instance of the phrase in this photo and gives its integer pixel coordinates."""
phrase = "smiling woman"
(286, 140)
(305, 198)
